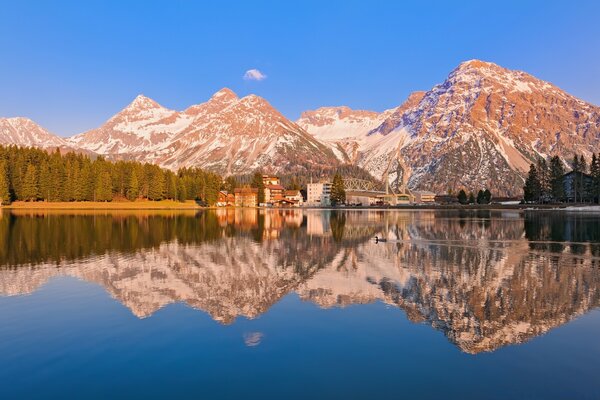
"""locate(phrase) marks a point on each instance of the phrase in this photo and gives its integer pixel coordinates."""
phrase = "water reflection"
(484, 278)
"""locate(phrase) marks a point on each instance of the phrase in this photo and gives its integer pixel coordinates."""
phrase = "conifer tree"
(257, 182)
(471, 198)
(595, 173)
(462, 197)
(133, 188)
(181, 191)
(487, 195)
(103, 186)
(338, 191)
(30, 184)
(532, 188)
(4, 184)
(557, 180)
(543, 172)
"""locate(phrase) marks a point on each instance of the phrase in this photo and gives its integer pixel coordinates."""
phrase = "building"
(576, 185)
(270, 180)
(318, 194)
(225, 199)
(424, 196)
(246, 197)
(273, 192)
(284, 203)
(294, 196)
(362, 197)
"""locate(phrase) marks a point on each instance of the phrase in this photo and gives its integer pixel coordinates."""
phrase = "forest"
(30, 174)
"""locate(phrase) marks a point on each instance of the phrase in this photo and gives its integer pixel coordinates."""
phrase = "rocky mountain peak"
(143, 102)
(225, 95)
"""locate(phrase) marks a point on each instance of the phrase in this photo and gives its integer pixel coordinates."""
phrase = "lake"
(245, 303)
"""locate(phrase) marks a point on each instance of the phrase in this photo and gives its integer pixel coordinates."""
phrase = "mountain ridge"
(481, 127)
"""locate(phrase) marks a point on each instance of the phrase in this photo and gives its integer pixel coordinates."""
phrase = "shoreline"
(192, 205)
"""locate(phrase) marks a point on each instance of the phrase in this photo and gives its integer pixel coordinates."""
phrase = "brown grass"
(97, 205)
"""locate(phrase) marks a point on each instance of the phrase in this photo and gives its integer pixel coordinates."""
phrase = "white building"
(318, 194)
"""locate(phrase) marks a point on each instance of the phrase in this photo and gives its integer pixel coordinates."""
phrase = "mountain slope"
(226, 134)
(24, 132)
(141, 126)
(242, 135)
(481, 127)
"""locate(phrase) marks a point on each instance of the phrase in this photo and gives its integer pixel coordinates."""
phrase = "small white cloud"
(254, 75)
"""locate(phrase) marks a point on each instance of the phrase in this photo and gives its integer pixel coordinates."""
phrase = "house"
(273, 192)
(318, 194)
(225, 199)
(424, 196)
(294, 196)
(284, 203)
(246, 197)
(576, 186)
(270, 180)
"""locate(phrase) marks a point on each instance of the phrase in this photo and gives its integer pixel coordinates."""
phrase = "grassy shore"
(110, 205)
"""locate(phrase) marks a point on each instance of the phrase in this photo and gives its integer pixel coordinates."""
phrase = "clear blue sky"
(71, 65)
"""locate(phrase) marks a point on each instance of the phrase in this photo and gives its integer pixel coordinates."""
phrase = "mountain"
(226, 134)
(481, 127)
(24, 132)
(343, 129)
(141, 127)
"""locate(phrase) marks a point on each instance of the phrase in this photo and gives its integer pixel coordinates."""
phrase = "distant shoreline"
(192, 205)
(100, 205)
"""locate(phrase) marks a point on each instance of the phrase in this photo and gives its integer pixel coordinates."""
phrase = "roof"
(274, 187)
(292, 193)
(424, 192)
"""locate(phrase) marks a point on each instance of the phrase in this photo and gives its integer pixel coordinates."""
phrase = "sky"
(71, 65)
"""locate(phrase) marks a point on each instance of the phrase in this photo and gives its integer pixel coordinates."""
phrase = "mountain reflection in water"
(484, 278)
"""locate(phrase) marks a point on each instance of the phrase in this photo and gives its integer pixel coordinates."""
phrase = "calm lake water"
(300, 304)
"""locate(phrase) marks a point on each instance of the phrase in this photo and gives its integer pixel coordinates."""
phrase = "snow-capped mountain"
(481, 127)
(24, 132)
(141, 127)
(342, 128)
(226, 134)
(235, 135)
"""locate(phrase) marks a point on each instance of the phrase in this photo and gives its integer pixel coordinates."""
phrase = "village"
(356, 193)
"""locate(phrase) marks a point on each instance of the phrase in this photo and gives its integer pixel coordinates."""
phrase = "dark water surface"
(300, 304)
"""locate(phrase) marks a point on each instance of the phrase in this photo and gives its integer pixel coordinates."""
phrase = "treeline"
(546, 181)
(483, 197)
(30, 174)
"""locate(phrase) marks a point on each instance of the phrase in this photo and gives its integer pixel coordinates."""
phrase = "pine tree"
(471, 198)
(595, 173)
(133, 188)
(557, 180)
(338, 191)
(30, 184)
(532, 189)
(543, 172)
(487, 195)
(156, 183)
(484, 197)
(257, 182)
(4, 184)
(181, 190)
(103, 186)
(462, 197)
